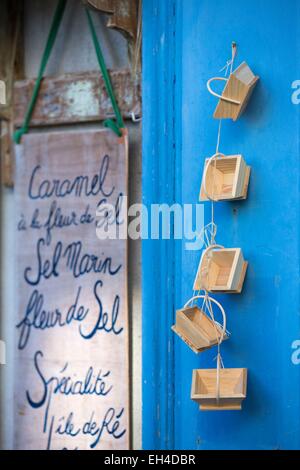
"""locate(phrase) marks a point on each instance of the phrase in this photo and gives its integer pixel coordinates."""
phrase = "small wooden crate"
(236, 93)
(232, 389)
(223, 270)
(225, 179)
(196, 329)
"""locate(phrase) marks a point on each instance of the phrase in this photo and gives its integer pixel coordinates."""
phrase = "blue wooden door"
(185, 43)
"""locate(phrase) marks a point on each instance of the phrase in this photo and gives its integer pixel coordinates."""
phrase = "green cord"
(50, 41)
(115, 126)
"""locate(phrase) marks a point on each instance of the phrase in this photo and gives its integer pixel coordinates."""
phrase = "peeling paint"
(81, 100)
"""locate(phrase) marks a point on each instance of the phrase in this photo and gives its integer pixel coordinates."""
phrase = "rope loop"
(208, 300)
(221, 97)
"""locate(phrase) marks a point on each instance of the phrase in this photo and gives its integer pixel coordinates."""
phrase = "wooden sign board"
(71, 369)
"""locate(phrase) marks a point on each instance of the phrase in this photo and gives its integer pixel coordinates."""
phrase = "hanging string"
(119, 124)
(208, 233)
(220, 364)
(213, 184)
(229, 63)
(233, 54)
(45, 57)
(219, 339)
(220, 330)
(219, 136)
(228, 66)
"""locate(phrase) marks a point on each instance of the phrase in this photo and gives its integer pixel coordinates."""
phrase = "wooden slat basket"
(225, 178)
(236, 93)
(221, 270)
(232, 389)
(197, 329)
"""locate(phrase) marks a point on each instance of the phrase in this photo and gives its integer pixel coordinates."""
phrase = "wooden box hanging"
(197, 329)
(221, 270)
(236, 93)
(225, 178)
(232, 389)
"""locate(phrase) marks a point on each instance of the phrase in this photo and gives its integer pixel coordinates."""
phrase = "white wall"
(73, 52)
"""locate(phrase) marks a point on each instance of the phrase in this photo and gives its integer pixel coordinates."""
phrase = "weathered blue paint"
(178, 132)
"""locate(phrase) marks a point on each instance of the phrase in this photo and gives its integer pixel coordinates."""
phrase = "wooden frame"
(158, 273)
(232, 389)
(236, 93)
(65, 155)
(76, 97)
(197, 329)
(221, 270)
(225, 178)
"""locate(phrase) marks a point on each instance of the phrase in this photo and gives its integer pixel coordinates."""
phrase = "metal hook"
(134, 118)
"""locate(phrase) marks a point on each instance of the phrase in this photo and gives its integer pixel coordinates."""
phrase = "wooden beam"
(107, 6)
(123, 14)
(76, 98)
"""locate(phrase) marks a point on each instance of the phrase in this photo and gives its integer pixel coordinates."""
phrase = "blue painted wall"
(185, 43)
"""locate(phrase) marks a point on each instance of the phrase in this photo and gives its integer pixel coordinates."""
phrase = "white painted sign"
(72, 381)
